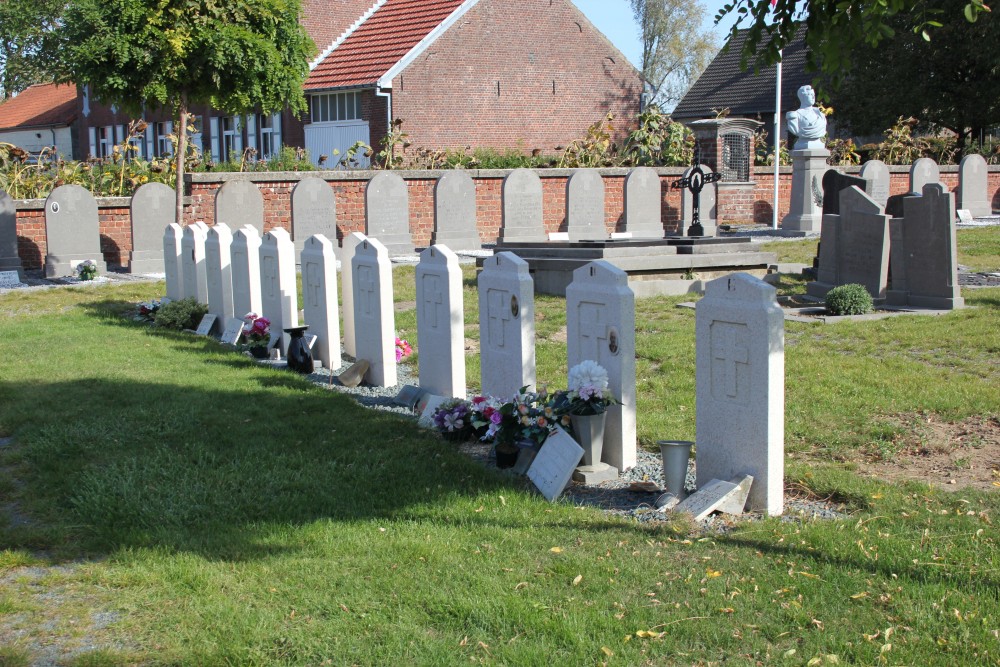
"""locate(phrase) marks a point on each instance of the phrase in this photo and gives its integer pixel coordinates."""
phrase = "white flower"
(588, 373)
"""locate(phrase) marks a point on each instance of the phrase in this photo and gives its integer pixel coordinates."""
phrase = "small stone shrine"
(440, 323)
(319, 296)
(9, 259)
(740, 388)
(72, 231)
(240, 203)
(153, 208)
(374, 316)
(506, 325)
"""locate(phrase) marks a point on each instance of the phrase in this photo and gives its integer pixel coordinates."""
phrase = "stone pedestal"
(805, 211)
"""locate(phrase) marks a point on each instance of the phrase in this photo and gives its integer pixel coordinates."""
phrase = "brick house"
(507, 74)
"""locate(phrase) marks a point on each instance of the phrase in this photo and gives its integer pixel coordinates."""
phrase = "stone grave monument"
(319, 294)
(506, 326)
(240, 203)
(923, 171)
(809, 156)
(351, 243)
(600, 325)
(455, 212)
(440, 323)
(72, 231)
(692, 184)
(245, 258)
(879, 180)
(923, 256)
(153, 208)
(643, 207)
(314, 211)
(973, 196)
(374, 316)
(219, 274)
(585, 206)
(173, 237)
(522, 208)
(193, 261)
(740, 388)
(278, 291)
(10, 260)
(387, 213)
(833, 183)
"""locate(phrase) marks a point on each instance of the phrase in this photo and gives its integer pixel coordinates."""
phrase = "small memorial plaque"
(10, 280)
(430, 405)
(234, 329)
(729, 497)
(964, 215)
(205, 326)
(554, 464)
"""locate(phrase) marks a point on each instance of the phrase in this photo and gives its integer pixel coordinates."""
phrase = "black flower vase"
(299, 356)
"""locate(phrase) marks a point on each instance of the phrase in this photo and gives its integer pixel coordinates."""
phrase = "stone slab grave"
(973, 194)
(351, 243)
(387, 213)
(319, 296)
(173, 268)
(923, 171)
(206, 325)
(717, 496)
(833, 183)
(245, 264)
(600, 326)
(440, 322)
(374, 315)
(553, 466)
(522, 208)
(153, 207)
(455, 212)
(314, 211)
(240, 203)
(278, 291)
(854, 246)
(506, 326)
(585, 206)
(9, 258)
(643, 207)
(924, 256)
(233, 332)
(72, 231)
(877, 174)
(740, 388)
(193, 269)
(708, 212)
(219, 273)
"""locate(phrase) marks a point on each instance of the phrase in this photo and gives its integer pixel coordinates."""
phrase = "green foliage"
(843, 152)
(989, 148)
(658, 141)
(27, 43)
(181, 314)
(899, 145)
(764, 154)
(290, 158)
(851, 299)
(595, 149)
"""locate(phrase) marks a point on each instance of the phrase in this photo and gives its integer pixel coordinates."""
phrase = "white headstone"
(585, 206)
(740, 388)
(600, 326)
(923, 171)
(506, 325)
(374, 316)
(973, 174)
(173, 236)
(72, 231)
(643, 208)
(455, 212)
(240, 203)
(193, 262)
(319, 296)
(387, 212)
(314, 211)
(440, 322)
(522, 207)
(245, 258)
(9, 258)
(351, 243)
(877, 173)
(219, 272)
(153, 208)
(552, 468)
(278, 291)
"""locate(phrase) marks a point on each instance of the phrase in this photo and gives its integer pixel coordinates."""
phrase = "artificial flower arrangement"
(256, 330)
(403, 349)
(146, 311)
(588, 392)
(86, 270)
(454, 419)
(523, 421)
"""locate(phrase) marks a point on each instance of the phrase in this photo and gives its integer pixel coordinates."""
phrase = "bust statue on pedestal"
(808, 123)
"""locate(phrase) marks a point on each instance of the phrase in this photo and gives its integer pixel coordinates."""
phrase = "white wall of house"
(35, 140)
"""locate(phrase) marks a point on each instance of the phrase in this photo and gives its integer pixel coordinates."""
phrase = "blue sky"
(614, 19)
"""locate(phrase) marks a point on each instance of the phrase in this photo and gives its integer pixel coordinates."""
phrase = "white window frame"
(105, 140)
(335, 108)
(268, 135)
(164, 147)
(231, 137)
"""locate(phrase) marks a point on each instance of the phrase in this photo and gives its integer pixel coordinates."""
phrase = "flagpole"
(777, 142)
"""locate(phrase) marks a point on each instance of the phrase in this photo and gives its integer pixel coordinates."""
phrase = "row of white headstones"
(740, 333)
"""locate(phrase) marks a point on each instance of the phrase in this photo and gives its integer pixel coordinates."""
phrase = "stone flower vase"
(589, 430)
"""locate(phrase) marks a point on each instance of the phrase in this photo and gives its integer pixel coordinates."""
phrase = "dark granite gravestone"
(833, 183)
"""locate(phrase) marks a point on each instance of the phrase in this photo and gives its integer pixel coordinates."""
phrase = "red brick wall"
(115, 224)
(448, 97)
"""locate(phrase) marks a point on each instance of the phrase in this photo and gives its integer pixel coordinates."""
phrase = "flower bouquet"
(257, 334)
(146, 311)
(86, 270)
(403, 349)
(523, 421)
(588, 392)
(454, 420)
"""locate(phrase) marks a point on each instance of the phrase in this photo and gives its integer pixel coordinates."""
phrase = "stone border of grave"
(814, 314)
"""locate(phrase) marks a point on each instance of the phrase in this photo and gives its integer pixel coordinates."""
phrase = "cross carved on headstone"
(728, 350)
(498, 312)
(593, 330)
(313, 283)
(366, 285)
(155, 196)
(270, 277)
(433, 297)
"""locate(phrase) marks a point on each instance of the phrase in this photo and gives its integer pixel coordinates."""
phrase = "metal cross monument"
(695, 181)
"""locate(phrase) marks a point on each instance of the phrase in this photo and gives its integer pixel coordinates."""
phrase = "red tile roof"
(40, 105)
(326, 20)
(379, 43)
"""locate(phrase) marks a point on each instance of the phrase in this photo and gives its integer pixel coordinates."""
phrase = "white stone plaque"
(964, 215)
(706, 499)
(553, 466)
(205, 326)
(233, 331)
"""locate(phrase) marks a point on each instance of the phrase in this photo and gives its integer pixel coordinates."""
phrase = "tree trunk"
(182, 121)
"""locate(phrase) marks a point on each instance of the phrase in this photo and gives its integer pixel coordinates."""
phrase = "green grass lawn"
(223, 513)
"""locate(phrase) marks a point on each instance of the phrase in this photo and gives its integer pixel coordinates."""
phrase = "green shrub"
(852, 299)
(181, 314)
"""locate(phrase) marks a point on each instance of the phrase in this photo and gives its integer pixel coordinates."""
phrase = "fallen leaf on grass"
(727, 610)
(577, 580)
(818, 623)
(464, 642)
(480, 509)
(858, 596)
(789, 653)
(711, 574)
(556, 550)
(503, 501)
(606, 651)
(809, 575)
(343, 607)
(523, 584)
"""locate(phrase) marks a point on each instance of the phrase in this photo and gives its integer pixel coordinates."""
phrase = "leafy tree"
(951, 82)
(26, 43)
(234, 55)
(835, 29)
(675, 50)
